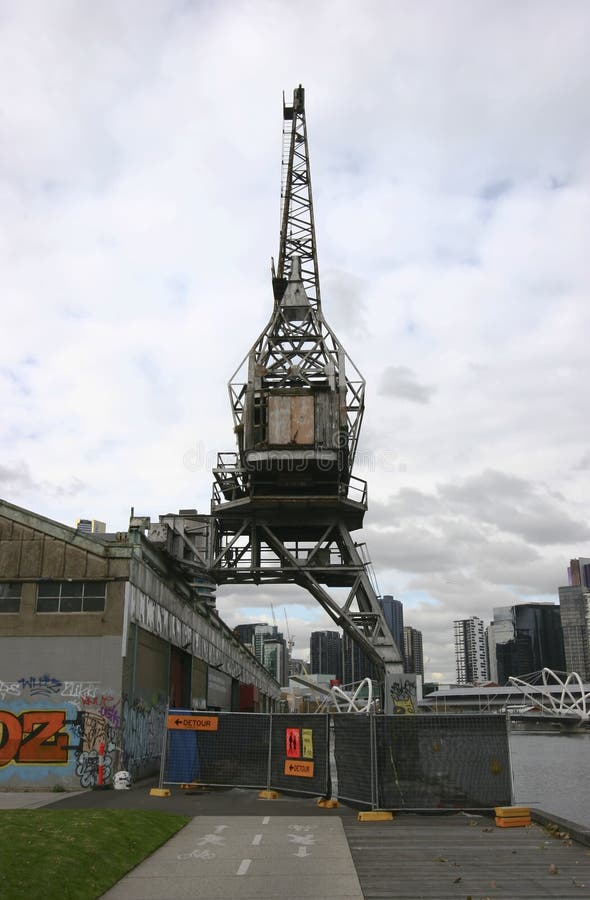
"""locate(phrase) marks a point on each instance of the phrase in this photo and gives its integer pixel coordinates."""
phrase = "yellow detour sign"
(192, 723)
(307, 741)
(301, 768)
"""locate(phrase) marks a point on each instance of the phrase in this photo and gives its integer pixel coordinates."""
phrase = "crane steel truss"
(297, 223)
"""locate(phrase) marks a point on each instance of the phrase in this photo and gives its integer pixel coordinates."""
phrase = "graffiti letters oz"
(33, 737)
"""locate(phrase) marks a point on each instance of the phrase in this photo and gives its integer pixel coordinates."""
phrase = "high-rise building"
(412, 650)
(491, 646)
(578, 572)
(276, 658)
(574, 603)
(471, 656)
(90, 526)
(246, 633)
(528, 637)
(268, 645)
(393, 610)
(325, 653)
(262, 632)
(356, 665)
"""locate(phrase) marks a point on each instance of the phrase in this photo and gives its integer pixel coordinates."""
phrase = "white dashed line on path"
(243, 867)
(257, 839)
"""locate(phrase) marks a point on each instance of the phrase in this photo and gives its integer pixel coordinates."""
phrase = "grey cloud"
(346, 303)
(400, 381)
(495, 189)
(517, 506)
(410, 549)
(471, 546)
(75, 487)
(407, 502)
(17, 478)
(538, 578)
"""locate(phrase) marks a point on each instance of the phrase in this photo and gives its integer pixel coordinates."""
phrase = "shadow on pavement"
(200, 802)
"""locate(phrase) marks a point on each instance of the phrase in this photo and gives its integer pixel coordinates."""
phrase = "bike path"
(261, 856)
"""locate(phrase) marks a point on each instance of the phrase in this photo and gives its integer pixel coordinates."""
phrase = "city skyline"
(451, 176)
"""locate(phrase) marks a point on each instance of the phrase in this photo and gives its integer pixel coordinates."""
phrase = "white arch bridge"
(557, 695)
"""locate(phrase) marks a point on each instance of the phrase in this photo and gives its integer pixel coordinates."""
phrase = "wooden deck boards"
(460, 856)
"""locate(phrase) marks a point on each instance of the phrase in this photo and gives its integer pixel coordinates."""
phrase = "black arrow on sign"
(178, 721)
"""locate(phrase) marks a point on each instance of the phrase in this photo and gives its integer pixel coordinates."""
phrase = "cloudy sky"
(140, 153)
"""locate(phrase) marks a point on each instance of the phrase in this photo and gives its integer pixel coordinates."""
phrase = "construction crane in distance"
(290, 641)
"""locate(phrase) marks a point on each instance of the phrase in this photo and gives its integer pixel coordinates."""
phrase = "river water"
(552, 772)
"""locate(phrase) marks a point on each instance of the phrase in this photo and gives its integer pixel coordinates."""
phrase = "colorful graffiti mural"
(34, 736)
(51, 731)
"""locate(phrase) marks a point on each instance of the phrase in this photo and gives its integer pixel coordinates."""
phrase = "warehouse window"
(71, 596)
(10, 597)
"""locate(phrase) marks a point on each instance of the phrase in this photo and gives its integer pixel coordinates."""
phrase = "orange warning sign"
(293, 742)
(301, 768)
(192, 723)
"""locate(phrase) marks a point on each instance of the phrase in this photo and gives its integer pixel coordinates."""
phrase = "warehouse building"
(99, 634)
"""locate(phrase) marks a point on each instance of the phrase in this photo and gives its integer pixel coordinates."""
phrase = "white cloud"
(139, 194)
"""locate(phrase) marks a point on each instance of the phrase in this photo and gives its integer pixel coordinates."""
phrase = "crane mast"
(297, 237)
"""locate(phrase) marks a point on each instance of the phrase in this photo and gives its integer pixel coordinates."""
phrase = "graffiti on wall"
(53, 729)
(403, 695)
(141, 735)
(34, 737)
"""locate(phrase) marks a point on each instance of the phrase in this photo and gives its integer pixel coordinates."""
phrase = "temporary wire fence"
(384, 762)
(423, 762)
(353, 757)
(266, 751)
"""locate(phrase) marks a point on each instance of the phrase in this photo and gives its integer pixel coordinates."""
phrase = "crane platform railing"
(231, 482)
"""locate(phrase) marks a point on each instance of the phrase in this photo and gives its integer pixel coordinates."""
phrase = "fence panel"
(353, 757)
(299, 755)
(231, 749)
(438, 762)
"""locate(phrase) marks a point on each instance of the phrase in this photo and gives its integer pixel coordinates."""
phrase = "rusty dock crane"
(286, 501)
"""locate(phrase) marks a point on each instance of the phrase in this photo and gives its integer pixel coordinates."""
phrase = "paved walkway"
(238, 846)
(290, 857)
(31, 799)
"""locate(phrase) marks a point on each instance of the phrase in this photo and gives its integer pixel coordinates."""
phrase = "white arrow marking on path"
(302, 851)
(212, 839)
(302, 838)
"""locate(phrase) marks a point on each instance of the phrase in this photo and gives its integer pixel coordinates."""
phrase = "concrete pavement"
(239, 846)
(213, 802)
(264, 856)
(31, 799)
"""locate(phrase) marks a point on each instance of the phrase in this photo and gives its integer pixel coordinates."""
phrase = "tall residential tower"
(471, 656)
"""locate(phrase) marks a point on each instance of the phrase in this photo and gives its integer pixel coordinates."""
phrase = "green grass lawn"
(75, 854)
